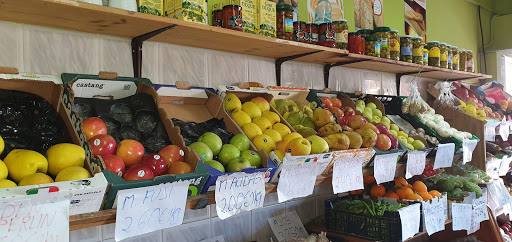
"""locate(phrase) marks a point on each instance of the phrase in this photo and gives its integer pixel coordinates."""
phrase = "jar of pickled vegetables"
(365, 32)
(372, 46)
(406, 48)
(450, 56)
(341, 30)
(284, 21)
(394, 45)
(417, 50)
(462, 60)
(384, 34)
(356, 43)
(469, 61)
(455, 58)
(443, 60)
(434, 54)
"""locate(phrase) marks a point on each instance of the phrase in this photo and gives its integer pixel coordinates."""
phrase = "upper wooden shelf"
(90, 18)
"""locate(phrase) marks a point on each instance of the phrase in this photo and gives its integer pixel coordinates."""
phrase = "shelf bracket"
(327, 69)
(137, 49)
(281, 60)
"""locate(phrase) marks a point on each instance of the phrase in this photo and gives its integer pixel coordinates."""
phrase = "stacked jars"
(284, 21)
(384, 34)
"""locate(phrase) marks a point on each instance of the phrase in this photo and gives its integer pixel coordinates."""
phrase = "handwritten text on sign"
(410, 220)
(287, 226)
(434, 214)
(480, 207)
(468, 146)
(147, 209)
(347, 174)
(297, 180)
(385, 167)
(415, 163)
(490, 130)
(444, 155)
(22, 221)
(239, 192)
(461, 216)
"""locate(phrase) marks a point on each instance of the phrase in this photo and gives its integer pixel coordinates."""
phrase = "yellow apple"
(252, 109)
(3, 170)
(264, 142)
(290, 137)
(318, 144)
(72, 173)
(282, 129)
(276, 136)
(35, 179)
(241, 117)
(232, 103)
(22, 163)
(273, 117)
(263, 123)
(299, 146)
(252, 130)
(261, 103)
(4, 183)
(64, 155)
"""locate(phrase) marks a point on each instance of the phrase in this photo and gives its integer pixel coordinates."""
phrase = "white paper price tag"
(468, 146)
(147, 209)
(410, 220)
(25, 221)
(480, 207)
(287, 226)
(490, 130)
(504, 130)
(347, 174)
(239, 192)
(444, 155)
(297, 180)
(385, 167)
(434, 213)
(504, 165)
(415, 163)
(461, 216)
(475, 226)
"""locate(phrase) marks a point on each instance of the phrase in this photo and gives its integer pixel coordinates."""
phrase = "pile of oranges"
(399, 188)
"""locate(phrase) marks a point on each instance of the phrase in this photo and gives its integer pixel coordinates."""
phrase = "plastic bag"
(414, 104)
(446, 99)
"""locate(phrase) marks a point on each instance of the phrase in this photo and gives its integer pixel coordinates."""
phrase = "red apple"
(93, 126)
(336, 102)
(383, 142)
(349, 111)
(131, 151)
(138, 172)
(346, 128)
(326, 103)
(382, 128)
(172, 153)
(114, 164)
(156, 162)
(344, 120)
(394, 141)
(103, 144)
(336, 112)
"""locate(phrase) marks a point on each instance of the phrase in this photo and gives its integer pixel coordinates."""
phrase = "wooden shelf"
(90, 18)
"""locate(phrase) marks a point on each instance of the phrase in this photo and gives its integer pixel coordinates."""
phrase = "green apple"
(318, 144)
(417, 144)
(402, 140)
(377, 112)
(368, 114)
(360, 103)
(409, 146)
(237, 164)
(410, 140)
(228, 153)
(204, 152)
(252, 157)
(367, 109)
(217, 165)
(375, 119)
(385, 120)
(393, 132)
(360, 109)
(241, 141)
(213, 141)
(394, 127)
(371, 105)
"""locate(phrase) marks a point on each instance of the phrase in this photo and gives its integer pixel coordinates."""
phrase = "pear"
(328, 129)
(338, 141)
(281, 106)
(308, 122)
(304, 131)
(294, 118)
(322, 117)
(356, 141)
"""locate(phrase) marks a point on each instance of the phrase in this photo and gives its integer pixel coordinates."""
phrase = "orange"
(180, 167)
(392, 194)
(435, 193)
(414, 196)
(378, 190)
(404, 192)
(356, 192)
(400, 182)
(369, 179)
(419, 186)
(425, 195)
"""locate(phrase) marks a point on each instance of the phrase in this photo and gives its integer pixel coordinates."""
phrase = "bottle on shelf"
(323, 12)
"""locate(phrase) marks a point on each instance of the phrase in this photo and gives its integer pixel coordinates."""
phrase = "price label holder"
(410, 219)
(444, 155)
(468, 146)
(415, 163)
(490, 130)
(297, 179)
(287, 226)
(434, 213)
(347, 175)
(461, 216)
(147, 209)
(239, 192)
(385, 167)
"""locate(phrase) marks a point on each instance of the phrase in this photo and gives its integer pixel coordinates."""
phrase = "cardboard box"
(199, 105)
(86, 195)
(187, 10)
(154, 7)
(89, 86)
(266, 18)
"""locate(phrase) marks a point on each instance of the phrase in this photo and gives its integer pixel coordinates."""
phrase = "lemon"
(252, 130)
(290, 137)
(264, 142)
(402, 133)
(241, 117)
(252, 109)
(72, 173)
(3, 170)
(64, 155)
(273, 117)
(276, 136)
(21, 163)
(4, 183)
(232, 103)
(35, 179)
(2, 145)
(282, 129)
(263, 123)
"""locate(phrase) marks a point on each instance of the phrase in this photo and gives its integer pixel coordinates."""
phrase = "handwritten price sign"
(385, 167)
(147, 209)
(410, 220)
(239, 192)
(415, 163)
(287, 226)
(297, 180)
(461, 216)
(347, 174)
(434, 213)
(444, 155)
(468, 146)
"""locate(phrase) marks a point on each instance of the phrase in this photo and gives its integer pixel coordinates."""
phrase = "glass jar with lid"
(406, 48)
(450, 57)
(313, 33)
(434, 54)
(356, 43)
(384, 34)
(417, 50)
(443, 59)
(232, 17)
(425, 55)
(299, 31)
(462, 60)
(326, 35)
(365, 32)
(341, 30)
(455, 58)
(284, 21)
(372, 46)
(394, 45)
(469, 61)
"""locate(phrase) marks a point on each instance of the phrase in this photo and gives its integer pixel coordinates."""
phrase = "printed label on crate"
(385, 167)
(415, 163)
(26, 221)
(103, 89)
(347, 175)
(468, 146)
(147, 209)
(434, 215)
(504, 165)
(490, 130)
(297, 179)
(461, 216)
(239, 192)
(410, 220)
(287, 226)
(444, 155)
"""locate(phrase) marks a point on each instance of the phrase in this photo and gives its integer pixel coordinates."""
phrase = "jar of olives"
(406, 48)
(455, 58)
(394, 45)
(372, 46)
(443, 59)
(341, 30)
(450, 57)
(469, 61)
(365, 32)
(284, 21)
(434, 54)
(356, 43)
(425, 55)
(462, 60)
(384, 34)
(417, 50)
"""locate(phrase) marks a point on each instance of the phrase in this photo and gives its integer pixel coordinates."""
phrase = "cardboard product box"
(154, 7)
(86, 195)
(266, 18)
(188, 10)
(199, 105)
(113, 87)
